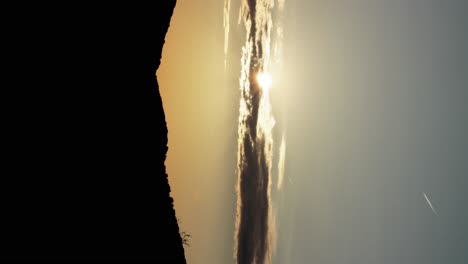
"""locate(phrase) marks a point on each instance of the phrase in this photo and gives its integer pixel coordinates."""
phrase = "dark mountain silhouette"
(84, 137)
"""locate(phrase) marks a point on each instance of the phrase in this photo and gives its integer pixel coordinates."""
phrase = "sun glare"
(265, 80)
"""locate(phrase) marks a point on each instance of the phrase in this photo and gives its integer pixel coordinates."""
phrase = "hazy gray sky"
(377, 114)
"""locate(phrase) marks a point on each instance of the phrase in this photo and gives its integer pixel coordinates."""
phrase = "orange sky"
(201, 114)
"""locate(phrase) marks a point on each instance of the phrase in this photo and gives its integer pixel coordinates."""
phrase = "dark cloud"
(252, 233)
(254, 160)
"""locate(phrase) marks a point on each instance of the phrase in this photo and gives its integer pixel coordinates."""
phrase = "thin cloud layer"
(281, 162)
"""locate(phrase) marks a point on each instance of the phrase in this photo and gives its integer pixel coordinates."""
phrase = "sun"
(264, 80)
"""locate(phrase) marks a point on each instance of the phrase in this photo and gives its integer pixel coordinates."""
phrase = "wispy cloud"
(227, 13)
(281, 162)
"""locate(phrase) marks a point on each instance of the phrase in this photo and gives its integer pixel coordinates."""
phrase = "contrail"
(254, 220)
(430, 204)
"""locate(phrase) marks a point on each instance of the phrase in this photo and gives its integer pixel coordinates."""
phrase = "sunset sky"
(201, 113)
(371, 98)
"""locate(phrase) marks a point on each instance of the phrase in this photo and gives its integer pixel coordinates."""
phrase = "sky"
(201, 114)
(370, 97)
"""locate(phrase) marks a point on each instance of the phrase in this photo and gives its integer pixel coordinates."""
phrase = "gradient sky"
(201, 114)
(373, 98)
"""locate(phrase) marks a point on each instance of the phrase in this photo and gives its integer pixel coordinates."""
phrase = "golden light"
(265, 80)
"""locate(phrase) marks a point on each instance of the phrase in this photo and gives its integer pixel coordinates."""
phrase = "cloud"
(254, 235)
(227, 13)
(281, 162)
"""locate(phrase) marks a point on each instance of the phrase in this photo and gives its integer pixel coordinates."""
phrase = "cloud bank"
(254, 221)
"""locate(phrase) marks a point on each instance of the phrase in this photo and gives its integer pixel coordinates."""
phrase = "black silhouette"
(84, 136)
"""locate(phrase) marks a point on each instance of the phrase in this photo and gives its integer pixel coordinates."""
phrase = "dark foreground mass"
(84, 138)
